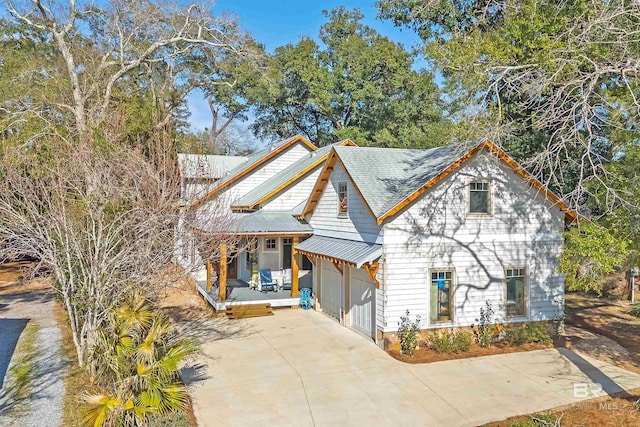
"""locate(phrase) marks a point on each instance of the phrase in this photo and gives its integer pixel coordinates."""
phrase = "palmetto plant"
(136, 360)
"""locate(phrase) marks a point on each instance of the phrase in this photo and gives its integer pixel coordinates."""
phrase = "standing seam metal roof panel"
(351, 251)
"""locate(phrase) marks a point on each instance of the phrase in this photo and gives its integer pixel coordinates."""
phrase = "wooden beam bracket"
(340, 269)
(372, 270)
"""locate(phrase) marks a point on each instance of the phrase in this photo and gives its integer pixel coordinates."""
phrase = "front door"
(232, 268)
(286, 252)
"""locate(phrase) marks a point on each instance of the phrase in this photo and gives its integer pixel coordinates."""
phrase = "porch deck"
(239, 293)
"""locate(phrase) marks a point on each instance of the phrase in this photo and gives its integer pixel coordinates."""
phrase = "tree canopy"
(353, 84)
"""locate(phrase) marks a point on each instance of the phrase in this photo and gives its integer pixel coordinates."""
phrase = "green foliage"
(538, 420)
(174, 419)
(355, 84)
(526, 66)
(450, 341)
(530, 332)
(408, 334)
(484, 329)
(591, 252)
(137, 358)
(635, 309)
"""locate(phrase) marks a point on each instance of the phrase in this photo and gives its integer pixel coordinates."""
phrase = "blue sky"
(276, 23)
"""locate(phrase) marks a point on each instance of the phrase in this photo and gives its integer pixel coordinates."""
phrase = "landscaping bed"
(427, 355)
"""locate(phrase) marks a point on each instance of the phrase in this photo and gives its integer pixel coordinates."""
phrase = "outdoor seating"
(286, 279)
(305, 299)
(266, 282)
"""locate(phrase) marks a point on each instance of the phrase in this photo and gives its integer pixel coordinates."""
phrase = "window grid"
(270, 244)
(342, 199)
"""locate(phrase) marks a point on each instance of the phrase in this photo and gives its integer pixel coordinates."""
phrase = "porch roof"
(269, 222)
(348, 251)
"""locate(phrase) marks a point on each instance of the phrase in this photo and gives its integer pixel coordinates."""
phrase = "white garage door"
(331, 290)
(363, 302)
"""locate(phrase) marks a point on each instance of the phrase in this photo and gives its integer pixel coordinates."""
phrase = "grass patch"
(77, 381)
(21, 373)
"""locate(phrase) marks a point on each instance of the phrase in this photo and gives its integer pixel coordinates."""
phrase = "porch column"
(209, 284)
(222, 274)
(294, 267)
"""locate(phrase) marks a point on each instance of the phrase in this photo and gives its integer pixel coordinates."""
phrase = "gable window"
(516, 291)
(441, 301)
(270, 244)
(480, 197)
(342, 199)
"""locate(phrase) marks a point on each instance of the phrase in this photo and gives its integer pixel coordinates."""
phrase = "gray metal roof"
(299, 209)
(269, 222)
(387, 176)
(206, 165)
(282, 177)
(357, 253)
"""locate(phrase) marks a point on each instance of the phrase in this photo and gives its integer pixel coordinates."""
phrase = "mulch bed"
(427, 355)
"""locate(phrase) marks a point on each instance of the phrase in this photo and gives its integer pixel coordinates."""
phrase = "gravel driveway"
(42, 406)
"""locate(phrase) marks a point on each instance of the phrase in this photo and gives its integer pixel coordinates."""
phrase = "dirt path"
(31, 364)
(609, 318)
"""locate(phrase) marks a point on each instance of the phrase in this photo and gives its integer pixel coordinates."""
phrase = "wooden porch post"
(294, 267)
(209, 284)
(222, 274)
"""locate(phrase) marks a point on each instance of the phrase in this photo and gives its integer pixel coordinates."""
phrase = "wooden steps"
(249, 310)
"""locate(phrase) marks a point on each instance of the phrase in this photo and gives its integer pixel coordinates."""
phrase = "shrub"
(484, 330)
(527, 333)
(450, 341)
(408, 334)
(635, 309)
(138, 355)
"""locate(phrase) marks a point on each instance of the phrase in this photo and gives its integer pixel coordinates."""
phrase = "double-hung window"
(480, 197)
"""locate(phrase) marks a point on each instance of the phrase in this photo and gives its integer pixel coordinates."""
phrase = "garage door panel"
(331, 290)
(362, 296)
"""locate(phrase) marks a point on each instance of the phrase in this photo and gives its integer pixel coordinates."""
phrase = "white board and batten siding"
(258, 176)
(436, 232)
(295, 194)
(358, 225)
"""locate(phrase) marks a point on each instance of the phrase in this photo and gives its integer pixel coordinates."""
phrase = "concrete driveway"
(300, 368)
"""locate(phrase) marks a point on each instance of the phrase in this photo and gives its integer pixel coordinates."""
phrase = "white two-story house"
(437, 232)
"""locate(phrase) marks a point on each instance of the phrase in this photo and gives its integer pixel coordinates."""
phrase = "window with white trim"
(270, 244)
(342, 199)
(441, 301)
(480, 197)
(516, 290)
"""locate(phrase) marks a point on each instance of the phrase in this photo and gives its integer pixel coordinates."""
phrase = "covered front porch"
(264, 255)
(239, 292)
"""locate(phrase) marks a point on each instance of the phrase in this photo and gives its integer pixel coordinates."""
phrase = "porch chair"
(286, 279)
(266, 282)
(305, 298)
